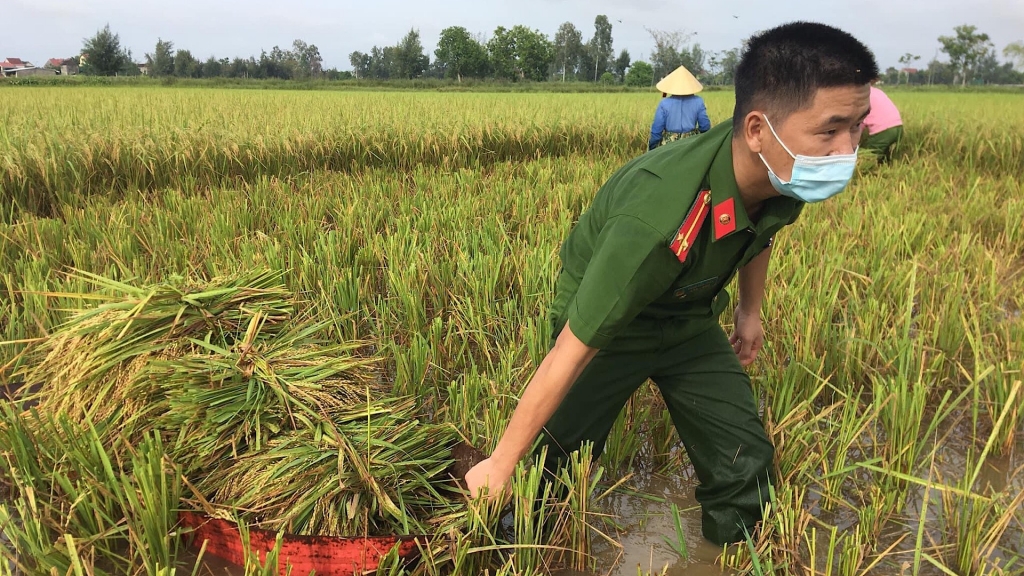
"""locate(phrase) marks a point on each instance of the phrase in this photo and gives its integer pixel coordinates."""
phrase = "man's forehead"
(840, 101)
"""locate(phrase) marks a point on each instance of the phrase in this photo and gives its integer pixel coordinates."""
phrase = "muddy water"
(648, 524)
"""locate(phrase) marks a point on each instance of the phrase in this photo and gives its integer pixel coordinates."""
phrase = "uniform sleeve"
(658, 127)
(796, 213)
(631, 266)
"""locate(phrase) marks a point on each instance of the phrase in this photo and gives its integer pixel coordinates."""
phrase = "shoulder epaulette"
(691, 225)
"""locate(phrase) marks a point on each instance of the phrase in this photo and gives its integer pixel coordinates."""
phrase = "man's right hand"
(549, 385)
(489, 477)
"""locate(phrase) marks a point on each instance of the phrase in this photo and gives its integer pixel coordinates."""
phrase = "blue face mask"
(815, 178)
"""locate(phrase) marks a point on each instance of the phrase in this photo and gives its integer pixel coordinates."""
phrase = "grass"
(426, 225)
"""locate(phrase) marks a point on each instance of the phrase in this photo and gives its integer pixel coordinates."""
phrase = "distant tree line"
(521, 53)
(102, 55)
(301, 62)
(972, 60)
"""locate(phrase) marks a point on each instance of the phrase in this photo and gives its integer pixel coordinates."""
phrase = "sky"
(36, 30)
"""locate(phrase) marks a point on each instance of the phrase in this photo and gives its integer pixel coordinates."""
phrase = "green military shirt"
(618, 265)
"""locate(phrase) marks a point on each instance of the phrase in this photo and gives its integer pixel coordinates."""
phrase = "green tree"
(241, 68)
(360, 64)
(277, 64)
(458, 54)
(727, 63)
(600, 46)
(104, 55)
(335, 74)
(905, 61)
(568, 48)
(990, 71)
(621, 65)
(1014, 52)
(520, 53)
(382, 63)
(185, 65)
(939, 73)
(965, 49)
(640, 74)
(693, 57)
(306, 60)
(669, 49)
(534, 53)
(128, 66)
(213, 68)
(501, 49)
(161, 61)
(410, 60)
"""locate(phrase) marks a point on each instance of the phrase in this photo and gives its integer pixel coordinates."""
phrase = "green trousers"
(709, 397)
(882, 143)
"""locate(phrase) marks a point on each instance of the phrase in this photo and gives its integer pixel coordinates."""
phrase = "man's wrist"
(503, 462)
(752, 310)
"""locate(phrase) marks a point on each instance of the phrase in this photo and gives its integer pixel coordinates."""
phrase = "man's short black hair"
(781, 69)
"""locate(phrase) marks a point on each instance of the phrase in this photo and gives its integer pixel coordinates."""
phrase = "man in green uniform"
(644, 271)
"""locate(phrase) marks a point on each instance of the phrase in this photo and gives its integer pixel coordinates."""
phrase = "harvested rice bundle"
(266, 419)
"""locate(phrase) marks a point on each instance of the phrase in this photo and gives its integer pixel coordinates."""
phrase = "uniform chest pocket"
(696, 289)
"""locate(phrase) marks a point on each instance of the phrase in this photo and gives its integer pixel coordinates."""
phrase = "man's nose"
(846, 145)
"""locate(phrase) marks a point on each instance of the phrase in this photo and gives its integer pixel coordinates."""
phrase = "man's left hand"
(747, 336)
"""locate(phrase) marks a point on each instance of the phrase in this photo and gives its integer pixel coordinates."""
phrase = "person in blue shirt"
(681, 112)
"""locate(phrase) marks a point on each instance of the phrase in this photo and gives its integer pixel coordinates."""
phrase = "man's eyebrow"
(837, 119)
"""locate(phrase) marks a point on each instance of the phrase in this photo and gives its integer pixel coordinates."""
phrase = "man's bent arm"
(752, 278)
(544, 393)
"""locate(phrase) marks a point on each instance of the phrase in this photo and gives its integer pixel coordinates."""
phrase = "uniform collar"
(727, 211)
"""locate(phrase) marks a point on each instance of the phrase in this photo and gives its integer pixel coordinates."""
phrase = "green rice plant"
(827, 556)
(532, 511)
(153, 494)
(623, 443)
(979, 523)
(257, 563)
(577, 524)
(678, 545)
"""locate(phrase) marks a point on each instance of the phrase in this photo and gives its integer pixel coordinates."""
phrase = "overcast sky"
(35, 30)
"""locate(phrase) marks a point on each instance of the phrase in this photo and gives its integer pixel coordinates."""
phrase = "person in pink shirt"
(883, 127)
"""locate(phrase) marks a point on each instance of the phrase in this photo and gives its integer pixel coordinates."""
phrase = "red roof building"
(14, 63)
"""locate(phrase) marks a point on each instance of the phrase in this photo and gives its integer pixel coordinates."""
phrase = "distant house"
(28, 71)
(63, 66)
(908, 71)
(12, 64)
(143, 68)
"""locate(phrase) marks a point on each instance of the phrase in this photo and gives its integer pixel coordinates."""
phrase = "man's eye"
(831, 132)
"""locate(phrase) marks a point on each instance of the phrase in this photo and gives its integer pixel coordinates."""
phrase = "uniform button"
(724, 219)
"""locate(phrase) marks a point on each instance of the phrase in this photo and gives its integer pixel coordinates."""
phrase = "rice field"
(418, 233)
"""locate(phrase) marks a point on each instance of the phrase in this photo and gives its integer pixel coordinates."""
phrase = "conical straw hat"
(679, 83)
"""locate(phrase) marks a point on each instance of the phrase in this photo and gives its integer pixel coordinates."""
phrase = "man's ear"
(754, 129)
